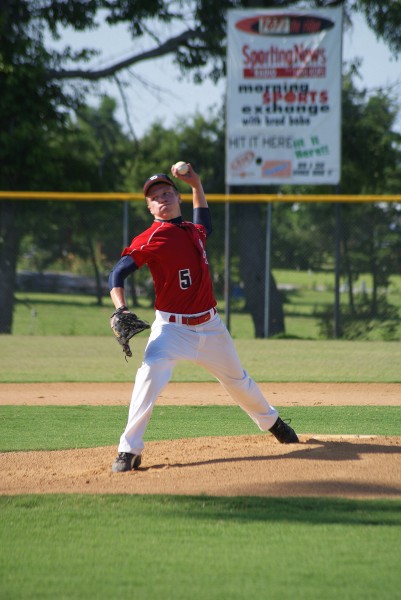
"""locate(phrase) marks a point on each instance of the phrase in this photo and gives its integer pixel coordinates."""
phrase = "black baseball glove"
(125, 325)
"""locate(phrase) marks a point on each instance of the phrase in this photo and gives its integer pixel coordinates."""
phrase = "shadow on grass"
(240, 509)
(298, 510)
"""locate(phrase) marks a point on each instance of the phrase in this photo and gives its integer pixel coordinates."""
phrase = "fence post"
(267, 271)
(227, 262)
(337, 328)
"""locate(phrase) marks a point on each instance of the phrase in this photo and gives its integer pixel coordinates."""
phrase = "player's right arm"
(198, 195)
(201, 213)
(202, 217)
(192, 178)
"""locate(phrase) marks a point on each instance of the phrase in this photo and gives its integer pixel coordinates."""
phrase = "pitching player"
(187, 325)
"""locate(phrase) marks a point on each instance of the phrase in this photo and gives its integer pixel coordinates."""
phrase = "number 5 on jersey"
(185, 279)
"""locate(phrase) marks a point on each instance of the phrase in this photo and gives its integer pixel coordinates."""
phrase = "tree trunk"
(98, 279)
(276, 311)
(9, 244)
(132, 291)
(375, 285)
(348, 271)
(252, 267)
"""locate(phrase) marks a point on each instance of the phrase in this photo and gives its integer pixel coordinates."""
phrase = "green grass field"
(27, 359)
(63, 427)
(306, 294)
(174, 547)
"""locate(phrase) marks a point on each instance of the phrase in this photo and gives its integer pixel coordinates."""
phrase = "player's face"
(163, 201)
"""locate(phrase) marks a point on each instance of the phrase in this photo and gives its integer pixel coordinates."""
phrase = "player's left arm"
(124, 323)
(118, 274)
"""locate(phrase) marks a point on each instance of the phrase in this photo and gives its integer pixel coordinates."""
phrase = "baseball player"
(187, 325)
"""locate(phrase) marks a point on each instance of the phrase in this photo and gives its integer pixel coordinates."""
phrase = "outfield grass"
(27, 359)
(175, 548)
(307, 296)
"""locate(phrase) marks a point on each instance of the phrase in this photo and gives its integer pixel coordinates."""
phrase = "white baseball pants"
(209, 345)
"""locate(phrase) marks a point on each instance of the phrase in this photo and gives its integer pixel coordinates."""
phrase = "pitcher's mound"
(342, 466)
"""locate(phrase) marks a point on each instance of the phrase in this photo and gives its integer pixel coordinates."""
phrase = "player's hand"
(191, 177)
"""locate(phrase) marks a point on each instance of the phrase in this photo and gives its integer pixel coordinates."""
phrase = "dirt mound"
(343, 466)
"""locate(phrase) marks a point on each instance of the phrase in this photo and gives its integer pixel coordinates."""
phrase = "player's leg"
(158, 363)
(150, 380)
(167, 344)
(219, 355)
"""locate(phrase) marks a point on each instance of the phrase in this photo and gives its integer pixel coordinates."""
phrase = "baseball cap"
(157, 178)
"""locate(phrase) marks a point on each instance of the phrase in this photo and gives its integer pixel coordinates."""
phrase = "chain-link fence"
(334, 268)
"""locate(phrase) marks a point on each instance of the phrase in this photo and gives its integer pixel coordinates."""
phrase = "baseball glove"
(125, 325)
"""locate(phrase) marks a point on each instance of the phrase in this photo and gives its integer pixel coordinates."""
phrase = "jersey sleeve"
(202, 216)
(136, 255)
(139, 249)
(120, 272)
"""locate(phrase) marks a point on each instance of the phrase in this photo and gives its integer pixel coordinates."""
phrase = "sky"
(167, 98)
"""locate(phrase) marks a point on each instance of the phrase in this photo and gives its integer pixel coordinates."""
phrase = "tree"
(35, 98)
(371, 158)
(90, 155)
(28, 112)
(370, 233)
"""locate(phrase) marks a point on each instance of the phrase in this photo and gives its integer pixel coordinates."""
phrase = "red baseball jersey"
(176, 256)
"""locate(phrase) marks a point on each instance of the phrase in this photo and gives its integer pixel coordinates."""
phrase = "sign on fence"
(284, 96)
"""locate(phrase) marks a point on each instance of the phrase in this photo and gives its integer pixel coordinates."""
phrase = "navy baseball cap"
(157, 178)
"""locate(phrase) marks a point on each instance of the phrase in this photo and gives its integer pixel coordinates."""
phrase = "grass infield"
(203, 548)
(62, 427)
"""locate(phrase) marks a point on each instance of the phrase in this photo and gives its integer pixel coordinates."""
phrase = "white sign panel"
(284, 97)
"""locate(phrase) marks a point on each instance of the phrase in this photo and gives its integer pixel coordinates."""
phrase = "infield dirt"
(343, 466)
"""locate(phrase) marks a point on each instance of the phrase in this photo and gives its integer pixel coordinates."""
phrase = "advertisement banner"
(284, 96)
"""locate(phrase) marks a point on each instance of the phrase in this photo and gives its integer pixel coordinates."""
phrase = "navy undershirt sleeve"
(202, 217)
(120, 272)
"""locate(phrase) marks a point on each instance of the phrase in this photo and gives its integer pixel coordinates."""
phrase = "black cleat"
(126, 462)
(283, 432)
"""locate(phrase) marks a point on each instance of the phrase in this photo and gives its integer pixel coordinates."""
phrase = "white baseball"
(182, 167)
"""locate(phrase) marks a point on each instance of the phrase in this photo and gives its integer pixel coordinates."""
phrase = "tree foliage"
(41, 86)
(370, 233)
(89, 155)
